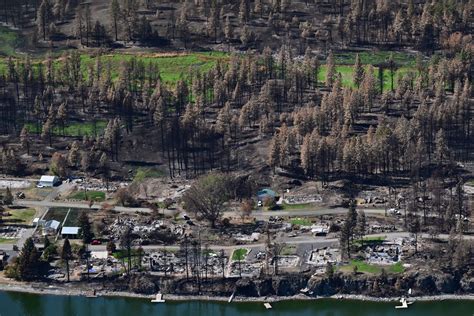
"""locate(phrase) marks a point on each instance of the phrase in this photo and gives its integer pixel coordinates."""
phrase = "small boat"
(267, 305)
(158, 298)
(231, 298)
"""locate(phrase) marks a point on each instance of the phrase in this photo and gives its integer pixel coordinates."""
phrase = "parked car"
(96, 242)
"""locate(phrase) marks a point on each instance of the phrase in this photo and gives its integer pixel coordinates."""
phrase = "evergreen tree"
(331, 70)
(28, 261)
(358, 72)
(66, 255)
(85, 225)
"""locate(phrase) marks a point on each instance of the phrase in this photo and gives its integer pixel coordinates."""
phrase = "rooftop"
(52, 224)
(70, 231)
(267, 191)
(48, 178)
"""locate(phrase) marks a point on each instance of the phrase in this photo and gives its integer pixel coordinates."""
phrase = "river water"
(12, 304)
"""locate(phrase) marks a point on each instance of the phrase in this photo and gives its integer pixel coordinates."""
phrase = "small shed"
(70, 232)
(51, 227)
(48, 181)
(264, 194)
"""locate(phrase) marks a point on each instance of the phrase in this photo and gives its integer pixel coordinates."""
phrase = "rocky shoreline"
(69, 291)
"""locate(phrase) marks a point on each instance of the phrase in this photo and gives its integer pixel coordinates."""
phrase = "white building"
(70, 232)
(51, 227)
(48, 181)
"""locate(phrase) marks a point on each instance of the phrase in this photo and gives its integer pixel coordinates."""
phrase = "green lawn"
(20, 216)
(7, 241)
(289, 250)
(72, 129)
(289, 207)
(119, 254)
(146, 173)
(239, 254)
(370, 240)
(300, 221)
(347, 71)
(376, 57)
(98, 196)
(365, 267)
(171, 67)
(9, 40)
(396, 268)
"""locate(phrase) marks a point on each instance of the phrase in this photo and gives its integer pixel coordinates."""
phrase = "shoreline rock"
(65, 291)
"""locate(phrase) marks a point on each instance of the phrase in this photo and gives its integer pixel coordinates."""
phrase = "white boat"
(231, 298)
(158, 298)
(267, 305)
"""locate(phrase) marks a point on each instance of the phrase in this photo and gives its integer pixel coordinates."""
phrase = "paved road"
(84, 205)
(259, 214)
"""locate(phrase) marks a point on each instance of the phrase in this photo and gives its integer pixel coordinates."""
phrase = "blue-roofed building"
(265, 194)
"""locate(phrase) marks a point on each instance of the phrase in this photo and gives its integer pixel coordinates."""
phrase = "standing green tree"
(361, 226)
(331, 70)
(28, 261)
(66, 255)
(207, 197)
(358, 75)
(8, 198)
(86, 229)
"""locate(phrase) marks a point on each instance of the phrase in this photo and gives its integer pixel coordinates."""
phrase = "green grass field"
(365, 267)
(146, 173)
(370, 240)
(7, 241)
(171, 67)
(72, 129)
(289, 207)
(375, 57)
(347, 71)
(97, 196)
(20, 216)
(300, 221)
(289, 250)
(9, 40)
(239, 254)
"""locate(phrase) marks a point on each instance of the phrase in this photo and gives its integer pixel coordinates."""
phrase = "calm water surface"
(12, 303)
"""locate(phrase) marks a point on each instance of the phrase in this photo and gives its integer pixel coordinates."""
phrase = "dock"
(267, 305)
(404, 303)
(158, 298)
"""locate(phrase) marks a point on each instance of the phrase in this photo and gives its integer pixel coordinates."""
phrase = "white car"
(259, 204)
